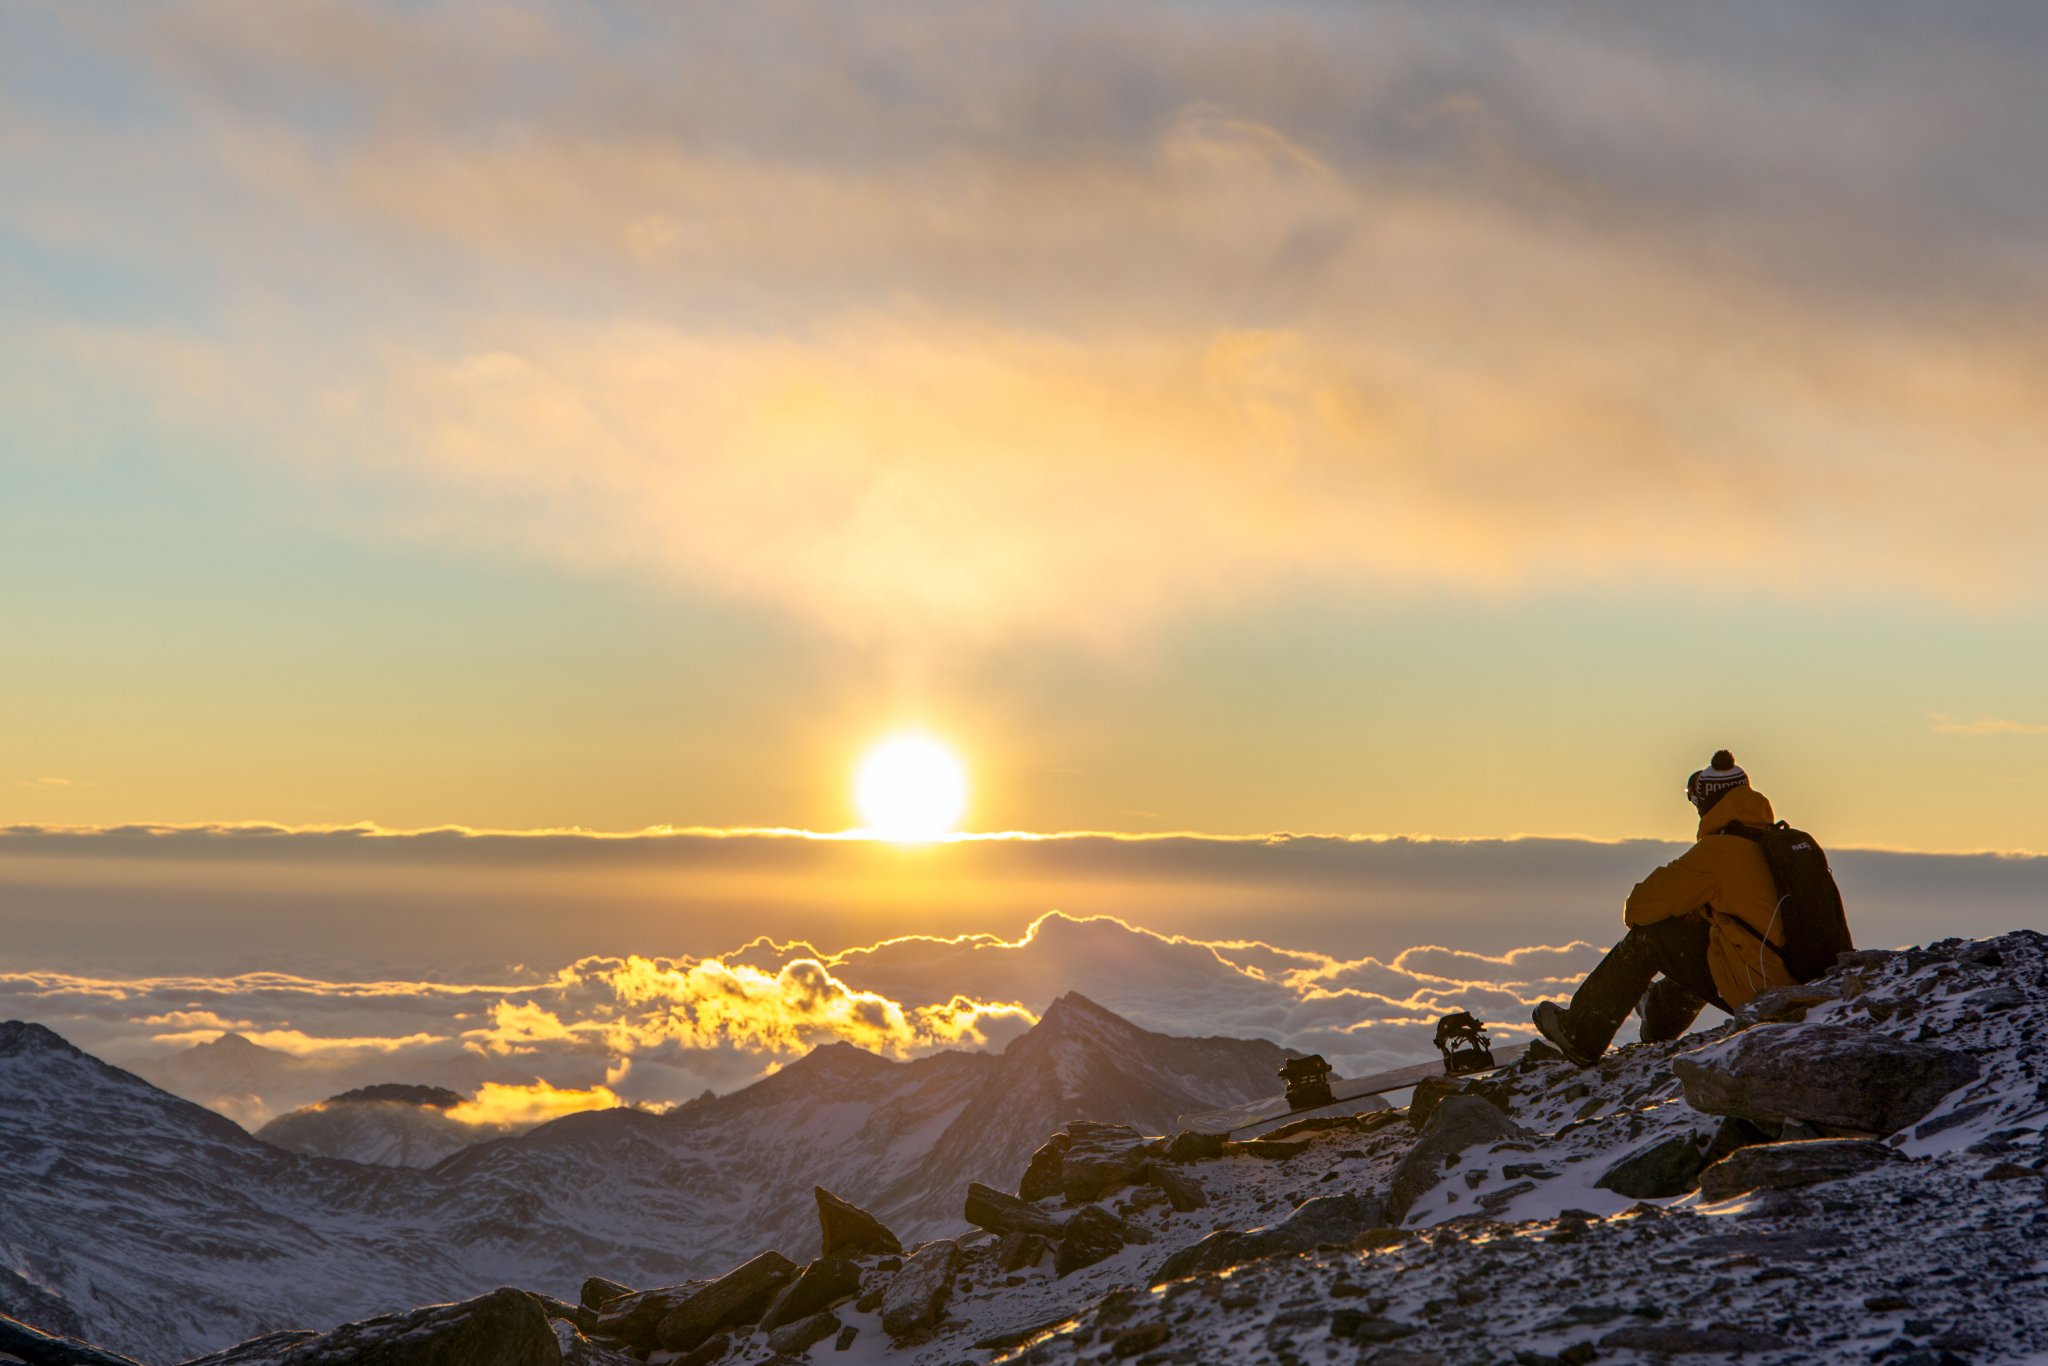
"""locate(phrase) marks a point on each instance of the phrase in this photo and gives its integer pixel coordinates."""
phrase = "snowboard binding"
(1308, 1082)
(1462, 1040)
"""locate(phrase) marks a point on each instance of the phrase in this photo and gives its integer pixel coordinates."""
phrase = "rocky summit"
(1850, 1171)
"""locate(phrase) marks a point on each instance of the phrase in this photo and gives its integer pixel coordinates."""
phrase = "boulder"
(635, 1318)
(504, 1328)
(1100, 1158)
(1458, 1123)
(1657, 1170)
(798, 1337)
(917, 1294)
(1092, 1234)
(1189, 1146)
(1327, 1220)
(1042, 1177)
(823, 1284)
(1429, 1093)
(1787, 1166)
(738, 1296)
(1836, 1075)
(597, 1292)
(849, 1230)
(1182, 1191)
(989, 1208)
(1019, 1250)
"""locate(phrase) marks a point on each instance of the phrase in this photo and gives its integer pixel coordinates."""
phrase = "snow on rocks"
(1841, 1076)
(1543, 1213)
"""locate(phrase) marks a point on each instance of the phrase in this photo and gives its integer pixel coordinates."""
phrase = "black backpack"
(1808, 900)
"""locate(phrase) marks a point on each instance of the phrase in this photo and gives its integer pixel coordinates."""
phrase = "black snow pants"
(1659, 969)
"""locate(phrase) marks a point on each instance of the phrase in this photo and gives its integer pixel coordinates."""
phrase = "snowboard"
(1254, 1117)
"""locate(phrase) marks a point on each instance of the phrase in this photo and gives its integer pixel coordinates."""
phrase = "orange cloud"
(1988, 725)
(500, 1105)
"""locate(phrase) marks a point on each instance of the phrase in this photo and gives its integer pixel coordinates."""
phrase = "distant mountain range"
(149, 1223)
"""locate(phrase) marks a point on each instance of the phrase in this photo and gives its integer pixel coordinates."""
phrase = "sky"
(1355, 420)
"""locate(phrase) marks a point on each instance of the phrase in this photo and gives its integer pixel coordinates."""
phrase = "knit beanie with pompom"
(1722, 775)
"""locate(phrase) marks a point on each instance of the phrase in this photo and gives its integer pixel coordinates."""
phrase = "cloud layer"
(1049, 319)
(657, 1031)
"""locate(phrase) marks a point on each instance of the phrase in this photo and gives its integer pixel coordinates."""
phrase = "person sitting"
(1703, 930)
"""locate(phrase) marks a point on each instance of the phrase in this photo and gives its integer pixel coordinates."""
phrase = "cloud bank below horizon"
(657, 1031)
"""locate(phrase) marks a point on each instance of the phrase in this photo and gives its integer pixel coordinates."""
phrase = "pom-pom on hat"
(1721, 775)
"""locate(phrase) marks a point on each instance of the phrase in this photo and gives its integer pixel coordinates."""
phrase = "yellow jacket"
(1725, 879)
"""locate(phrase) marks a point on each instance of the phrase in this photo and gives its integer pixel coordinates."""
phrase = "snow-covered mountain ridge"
(158, 1227)
(1850, 1171)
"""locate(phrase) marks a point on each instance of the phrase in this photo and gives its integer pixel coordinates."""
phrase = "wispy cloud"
(1987, 725)
(917, 349)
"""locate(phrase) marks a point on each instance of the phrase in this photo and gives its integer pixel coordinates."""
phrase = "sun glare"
(910, 787)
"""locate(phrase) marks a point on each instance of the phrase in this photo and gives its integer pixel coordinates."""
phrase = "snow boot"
(1552, 1022)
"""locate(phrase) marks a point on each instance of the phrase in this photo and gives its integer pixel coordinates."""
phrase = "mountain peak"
(18, 1037)
(1073, 1008)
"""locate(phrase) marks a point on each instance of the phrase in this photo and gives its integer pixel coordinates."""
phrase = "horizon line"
(372, 830)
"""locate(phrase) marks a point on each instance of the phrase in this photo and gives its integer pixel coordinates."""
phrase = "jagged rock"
(823, 1284)
(850, 1231)
(989, 1208)
(846, 1338)
(918, 1293)
(1182, 1191)
(578, 1350)
(1837, 1075)
(1665, 1168)
(1429, 1093)
(1092, 1234)
(44, 1349)
(1788, 1003)
(1786, 1166)
(1100, 1158)
(1019, 1250)
(1328, 1219)
(1459, 1123)
(1189, 1146)
(597, 1292)
(1272, 1149)
(1042, 1177)
(635, 1318)
(797, 1337)
(559, 1309)
(713, 1348)
(738, 1296)
(503, 1328)
(1677, 1338)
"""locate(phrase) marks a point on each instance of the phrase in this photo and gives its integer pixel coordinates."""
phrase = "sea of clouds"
(657, 1030)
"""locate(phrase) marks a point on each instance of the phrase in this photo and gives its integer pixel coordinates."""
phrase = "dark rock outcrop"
(847, 1230)
(598, 1292)
(918, 1292)
(1182, 1191)
(1329, 1220)
(504, 1328)
(1459, 1122)
(1092, 1234)
(739, 1296)
(1100, 1158)
(1787, 1166)
(821, 1285)
(989, 1208)
(1042, 1177)
(1834, 1075)
(1656, 1171)
(635, 1319)
(798, 1337)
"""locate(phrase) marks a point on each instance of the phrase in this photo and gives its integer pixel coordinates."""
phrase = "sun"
(910, 787)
